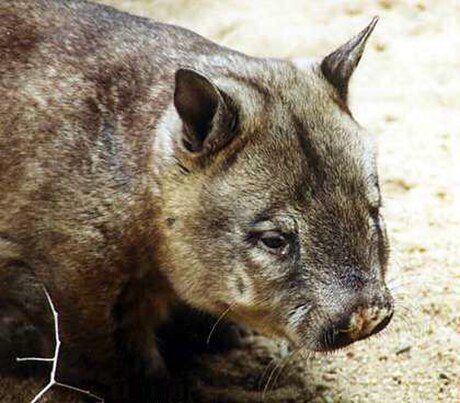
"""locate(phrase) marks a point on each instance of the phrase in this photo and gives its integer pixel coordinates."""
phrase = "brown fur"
(129, 185)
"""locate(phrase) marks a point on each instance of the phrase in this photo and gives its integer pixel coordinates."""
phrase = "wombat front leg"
(19, 337)
(25, 327)
(138, 313)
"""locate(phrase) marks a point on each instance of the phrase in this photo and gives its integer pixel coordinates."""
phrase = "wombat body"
(142, 166)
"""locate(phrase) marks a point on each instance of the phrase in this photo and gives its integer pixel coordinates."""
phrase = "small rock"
(442, 375)
(403, 350)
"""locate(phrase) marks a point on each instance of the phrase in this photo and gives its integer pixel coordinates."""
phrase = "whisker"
(283, 366)
(268, 367)
(270, 378)
(219, 319)
(278, 369)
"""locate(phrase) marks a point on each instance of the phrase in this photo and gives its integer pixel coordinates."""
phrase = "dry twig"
(55, 359)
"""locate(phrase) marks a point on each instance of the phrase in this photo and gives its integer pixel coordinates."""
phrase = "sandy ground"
(407, 92)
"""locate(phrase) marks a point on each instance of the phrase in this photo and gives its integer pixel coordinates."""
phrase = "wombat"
(143, 166)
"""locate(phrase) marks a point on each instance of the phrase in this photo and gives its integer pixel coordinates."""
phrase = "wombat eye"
(274, 242)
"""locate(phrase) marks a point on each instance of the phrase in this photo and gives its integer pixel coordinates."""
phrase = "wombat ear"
(339, 65)
(207, 113)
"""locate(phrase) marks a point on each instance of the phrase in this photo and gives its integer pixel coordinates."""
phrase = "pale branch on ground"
(55, 360)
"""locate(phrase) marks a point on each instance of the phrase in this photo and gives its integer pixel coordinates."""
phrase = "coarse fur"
(143, 166)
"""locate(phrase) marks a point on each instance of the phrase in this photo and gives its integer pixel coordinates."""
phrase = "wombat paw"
(227, 336)
(154, 365)
(191, 332)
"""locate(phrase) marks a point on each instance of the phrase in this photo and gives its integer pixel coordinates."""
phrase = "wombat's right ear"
(207, 113)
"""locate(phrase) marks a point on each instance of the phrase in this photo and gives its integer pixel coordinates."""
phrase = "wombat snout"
(361, 323)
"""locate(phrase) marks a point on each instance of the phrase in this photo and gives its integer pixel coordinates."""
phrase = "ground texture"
(406, 92)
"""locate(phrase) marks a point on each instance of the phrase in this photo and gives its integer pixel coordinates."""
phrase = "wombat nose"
(365, 322)
(362, 323)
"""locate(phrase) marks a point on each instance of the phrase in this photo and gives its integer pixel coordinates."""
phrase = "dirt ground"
(406, 91)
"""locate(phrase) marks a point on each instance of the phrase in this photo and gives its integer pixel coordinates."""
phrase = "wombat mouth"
(335, 338)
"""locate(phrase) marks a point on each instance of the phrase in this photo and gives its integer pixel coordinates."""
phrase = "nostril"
(389, 306)
(383, 324)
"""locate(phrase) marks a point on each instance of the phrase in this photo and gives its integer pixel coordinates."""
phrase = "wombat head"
(271, 200)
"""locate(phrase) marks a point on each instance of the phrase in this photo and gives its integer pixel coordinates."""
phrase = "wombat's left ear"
(339, 65)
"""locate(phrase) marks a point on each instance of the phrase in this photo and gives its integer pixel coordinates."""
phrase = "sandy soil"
(406, 91)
